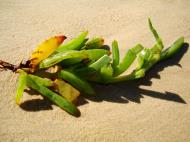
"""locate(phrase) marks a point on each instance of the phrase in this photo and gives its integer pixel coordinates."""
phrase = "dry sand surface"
(153, 109)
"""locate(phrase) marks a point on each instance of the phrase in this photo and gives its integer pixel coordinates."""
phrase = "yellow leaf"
(44, 50)
(66, 90)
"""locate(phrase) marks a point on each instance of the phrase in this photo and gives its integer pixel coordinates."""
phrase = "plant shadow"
(44, 103)
(36, 105)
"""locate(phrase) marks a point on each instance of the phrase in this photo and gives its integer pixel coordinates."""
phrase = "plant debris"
(62, 71)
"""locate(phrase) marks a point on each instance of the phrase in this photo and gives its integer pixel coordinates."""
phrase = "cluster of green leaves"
(82, 61)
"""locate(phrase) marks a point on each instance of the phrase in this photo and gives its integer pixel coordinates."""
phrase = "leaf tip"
(60, 39)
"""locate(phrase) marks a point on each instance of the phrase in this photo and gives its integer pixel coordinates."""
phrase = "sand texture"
(153, 109)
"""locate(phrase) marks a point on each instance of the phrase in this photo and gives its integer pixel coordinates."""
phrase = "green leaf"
(43, 81)
(56, 58)
(94, 43)
(115, 54)
(74, 44)
(128, 59)
(21, 86)
(157, 37)
(173, 49)
(76, 81)
(55, 98)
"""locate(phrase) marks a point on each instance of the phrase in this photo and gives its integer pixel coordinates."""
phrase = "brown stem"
(5, 65)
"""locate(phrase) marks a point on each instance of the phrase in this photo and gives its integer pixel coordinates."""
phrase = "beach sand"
(153, 109)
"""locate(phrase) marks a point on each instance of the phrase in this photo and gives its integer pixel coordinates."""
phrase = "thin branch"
(5, 65)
